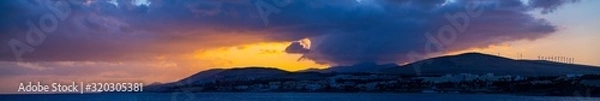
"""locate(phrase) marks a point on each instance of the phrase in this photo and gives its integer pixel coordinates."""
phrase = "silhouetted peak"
(366, 64)
(255, 68)
(475, 56)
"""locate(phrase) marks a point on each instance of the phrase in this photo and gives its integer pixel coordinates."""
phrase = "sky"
(166, 40)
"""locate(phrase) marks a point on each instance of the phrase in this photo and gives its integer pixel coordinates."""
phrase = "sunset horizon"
(207, 46)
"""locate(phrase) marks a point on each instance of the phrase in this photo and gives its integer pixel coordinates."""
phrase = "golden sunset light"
(308, 50)
(260, 54)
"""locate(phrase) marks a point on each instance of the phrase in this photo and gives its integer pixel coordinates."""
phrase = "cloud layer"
(342, 31)
(387, 31)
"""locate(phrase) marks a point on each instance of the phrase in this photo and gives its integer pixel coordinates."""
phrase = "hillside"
(477, 63)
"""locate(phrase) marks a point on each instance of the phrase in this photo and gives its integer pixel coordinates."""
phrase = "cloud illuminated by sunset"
(171, 39)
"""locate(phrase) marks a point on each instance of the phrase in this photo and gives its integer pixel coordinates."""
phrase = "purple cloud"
(342, 32)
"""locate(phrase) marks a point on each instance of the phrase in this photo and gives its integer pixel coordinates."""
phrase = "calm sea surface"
(284, 97)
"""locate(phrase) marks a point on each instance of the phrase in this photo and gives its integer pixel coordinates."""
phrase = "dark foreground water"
(284, 97)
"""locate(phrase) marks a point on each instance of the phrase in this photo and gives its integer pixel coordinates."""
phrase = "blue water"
(285, 97)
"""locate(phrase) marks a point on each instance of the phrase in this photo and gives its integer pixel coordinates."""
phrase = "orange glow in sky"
(259, 54)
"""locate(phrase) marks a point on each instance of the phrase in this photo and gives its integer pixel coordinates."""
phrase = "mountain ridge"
(471, 63)
(479, 63)
(428, 71)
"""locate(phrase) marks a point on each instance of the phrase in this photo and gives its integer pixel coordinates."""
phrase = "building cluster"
(447, 83)
(489, 77)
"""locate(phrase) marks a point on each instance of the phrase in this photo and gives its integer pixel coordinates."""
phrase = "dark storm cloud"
(296, 47)
(341, 31)
(386, 31)
(548, 6)
(99, 30)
